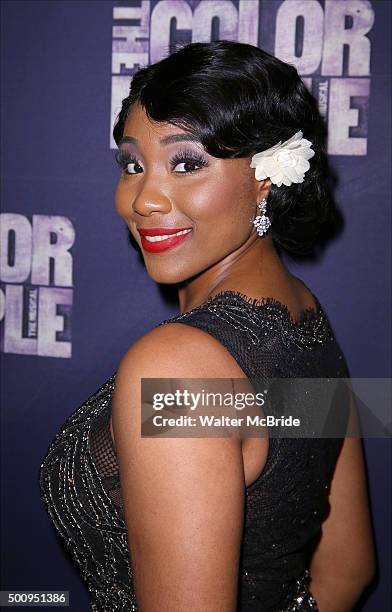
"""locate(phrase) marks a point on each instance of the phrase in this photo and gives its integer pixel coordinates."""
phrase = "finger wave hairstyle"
(240, 100)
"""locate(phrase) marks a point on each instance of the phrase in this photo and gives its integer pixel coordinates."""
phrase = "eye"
(187, 162)
(128, 163)
(184, 162)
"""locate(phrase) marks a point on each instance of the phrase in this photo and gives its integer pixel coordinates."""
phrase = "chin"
(168, 277)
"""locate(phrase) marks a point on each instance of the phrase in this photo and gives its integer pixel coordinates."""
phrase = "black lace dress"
(285, 506)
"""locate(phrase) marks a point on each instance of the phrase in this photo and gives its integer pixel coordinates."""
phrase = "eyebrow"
(166, 140)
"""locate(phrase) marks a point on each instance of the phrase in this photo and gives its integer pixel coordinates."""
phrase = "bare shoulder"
(179, 350)
(171, 351)
(183, 496)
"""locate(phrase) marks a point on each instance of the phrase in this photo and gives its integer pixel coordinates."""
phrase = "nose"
(146, 206)
(151, 198)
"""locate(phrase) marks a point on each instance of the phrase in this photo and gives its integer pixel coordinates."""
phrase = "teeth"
(160, 238)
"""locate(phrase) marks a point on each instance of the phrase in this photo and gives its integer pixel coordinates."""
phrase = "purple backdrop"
(74, 293)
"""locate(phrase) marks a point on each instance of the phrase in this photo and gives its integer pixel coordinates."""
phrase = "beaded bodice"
(285, 506)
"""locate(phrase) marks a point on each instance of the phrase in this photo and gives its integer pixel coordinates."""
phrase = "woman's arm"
(344, 562)
(183, 497)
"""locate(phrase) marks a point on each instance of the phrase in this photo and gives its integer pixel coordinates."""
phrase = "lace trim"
(306, 314)
(256, 316)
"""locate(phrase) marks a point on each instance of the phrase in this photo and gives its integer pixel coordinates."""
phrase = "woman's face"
(169, 183)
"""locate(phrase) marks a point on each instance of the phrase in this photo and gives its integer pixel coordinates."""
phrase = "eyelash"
(180, 157)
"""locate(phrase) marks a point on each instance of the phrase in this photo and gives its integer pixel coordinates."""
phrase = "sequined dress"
(284, 506)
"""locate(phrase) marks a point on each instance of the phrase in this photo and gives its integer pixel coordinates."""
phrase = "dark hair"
(240, 100)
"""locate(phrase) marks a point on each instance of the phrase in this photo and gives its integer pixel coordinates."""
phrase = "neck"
(254, 268)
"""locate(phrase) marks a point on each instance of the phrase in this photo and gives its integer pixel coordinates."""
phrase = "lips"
(158, 239)
(161, 231)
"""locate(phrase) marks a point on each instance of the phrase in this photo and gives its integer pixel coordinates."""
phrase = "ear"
(262, 189)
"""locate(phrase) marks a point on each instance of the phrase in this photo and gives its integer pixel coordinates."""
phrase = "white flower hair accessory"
(285, 163)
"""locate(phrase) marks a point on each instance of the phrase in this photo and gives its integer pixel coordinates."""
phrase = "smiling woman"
(167, 175)
(222, 167)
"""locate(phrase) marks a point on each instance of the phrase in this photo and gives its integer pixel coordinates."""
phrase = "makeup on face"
(157, 239)
(183, 162)
(186, 209)
(191, 160)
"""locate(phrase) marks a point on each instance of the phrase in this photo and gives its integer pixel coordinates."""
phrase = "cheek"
(227, 202)
(121, 201)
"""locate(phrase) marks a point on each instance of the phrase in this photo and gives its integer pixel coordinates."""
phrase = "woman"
(220, 144)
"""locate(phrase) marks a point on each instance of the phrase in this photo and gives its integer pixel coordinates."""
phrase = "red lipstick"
(163, 244)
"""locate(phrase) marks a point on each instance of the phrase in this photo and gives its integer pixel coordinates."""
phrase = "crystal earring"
(262, 222)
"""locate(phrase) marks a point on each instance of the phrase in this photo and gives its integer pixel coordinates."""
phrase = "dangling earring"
(262, 222)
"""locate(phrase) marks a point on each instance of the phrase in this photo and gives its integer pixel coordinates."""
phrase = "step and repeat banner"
(74, 293)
